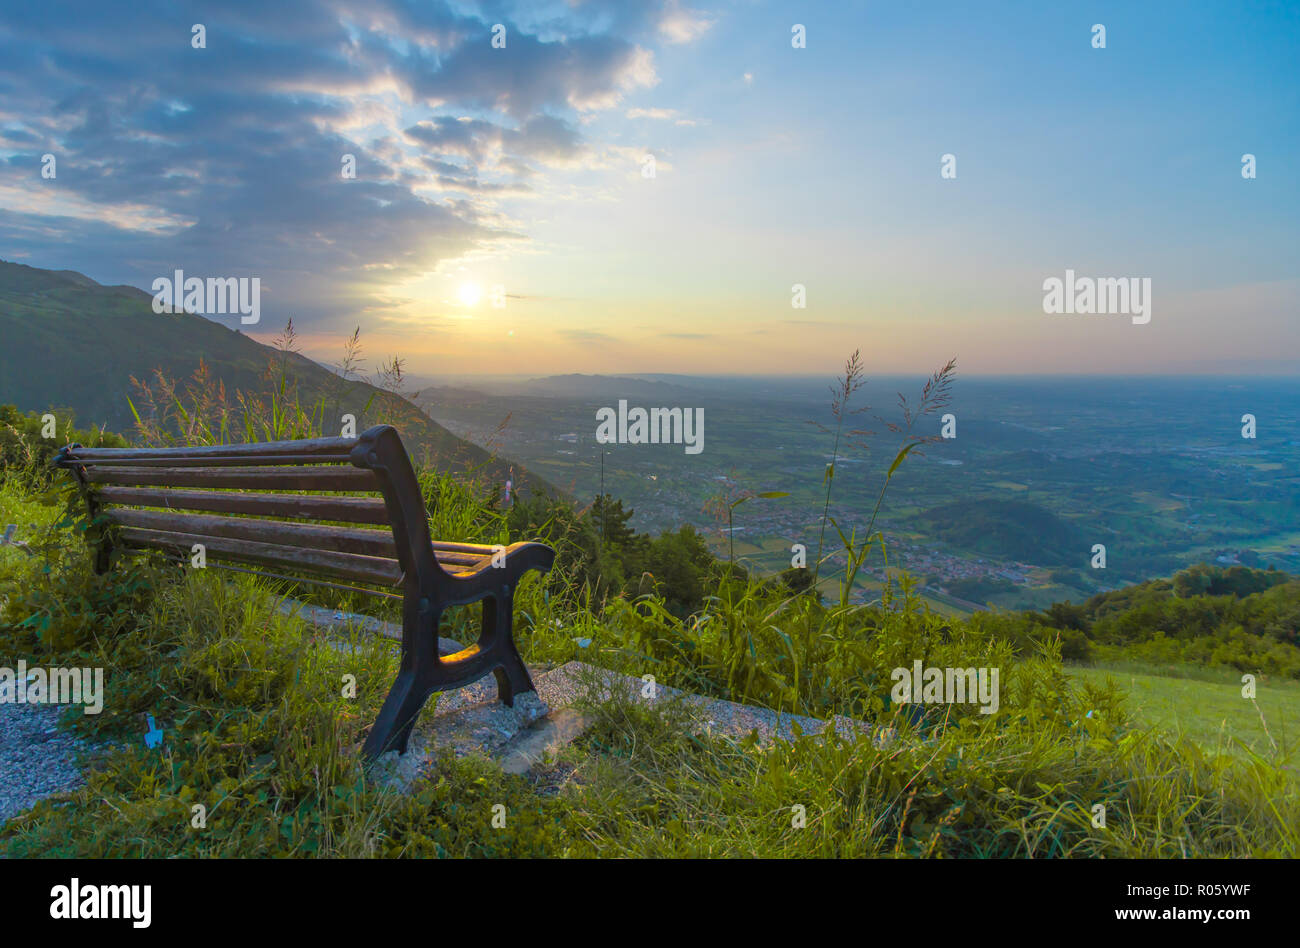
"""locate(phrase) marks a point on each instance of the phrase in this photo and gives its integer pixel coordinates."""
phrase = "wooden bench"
(221, 496)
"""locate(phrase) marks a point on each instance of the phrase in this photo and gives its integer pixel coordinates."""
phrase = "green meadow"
(1207, 707)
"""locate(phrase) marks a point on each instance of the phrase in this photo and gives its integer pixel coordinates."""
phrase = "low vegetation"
(257, 731)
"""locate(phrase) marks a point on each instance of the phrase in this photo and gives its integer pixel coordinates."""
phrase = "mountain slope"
(69, 343)
(1008, 529)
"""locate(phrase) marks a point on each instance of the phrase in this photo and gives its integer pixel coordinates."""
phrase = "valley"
(1006, 513)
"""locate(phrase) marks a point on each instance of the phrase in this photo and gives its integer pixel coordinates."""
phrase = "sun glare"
(470, 294)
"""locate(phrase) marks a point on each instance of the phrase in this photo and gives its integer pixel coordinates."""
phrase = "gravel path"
(37, 760)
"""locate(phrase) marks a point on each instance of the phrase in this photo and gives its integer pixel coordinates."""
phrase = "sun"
(470, 294)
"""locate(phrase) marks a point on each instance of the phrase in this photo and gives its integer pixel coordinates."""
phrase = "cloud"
(544, 139)
(661, 115)
(679, 25)
(652, 113)
(227, 160)
(585, 73)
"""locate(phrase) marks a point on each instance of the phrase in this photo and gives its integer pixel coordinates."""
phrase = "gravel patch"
(37, 759)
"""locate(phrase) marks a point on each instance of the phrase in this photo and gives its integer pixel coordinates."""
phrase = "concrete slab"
(565, 685)
(465, 727)
(543, 740)
(472, 720)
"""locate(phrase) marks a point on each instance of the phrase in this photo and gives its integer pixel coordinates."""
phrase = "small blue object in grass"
(583, 643)
(153, 738)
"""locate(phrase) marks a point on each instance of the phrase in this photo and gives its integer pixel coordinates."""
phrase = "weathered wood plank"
(222, 461)
(249, 478)
(459, 559)
(478, 549)
(303, 507)
(305, 448)
(364, 569)
(279, 532)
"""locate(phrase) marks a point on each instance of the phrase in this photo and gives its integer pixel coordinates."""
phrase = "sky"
(502, 218)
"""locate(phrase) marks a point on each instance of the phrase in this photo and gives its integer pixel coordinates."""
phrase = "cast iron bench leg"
(497, 636)
(415, 682)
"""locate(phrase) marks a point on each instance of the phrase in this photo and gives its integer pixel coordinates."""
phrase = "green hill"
(1204, 617)
(1008, 529)
(71, 344)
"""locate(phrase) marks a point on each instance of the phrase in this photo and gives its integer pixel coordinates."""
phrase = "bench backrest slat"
(303, 506)
(222, 461)
(284, 533)
(363, 569)
(324, 477)
(308, 448)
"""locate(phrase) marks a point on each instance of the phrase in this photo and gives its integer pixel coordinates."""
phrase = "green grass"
(19, 506)
(651, 788)
(259, 732)
(1206, 706)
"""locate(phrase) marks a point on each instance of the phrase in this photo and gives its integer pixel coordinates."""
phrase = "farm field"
(1006, 513)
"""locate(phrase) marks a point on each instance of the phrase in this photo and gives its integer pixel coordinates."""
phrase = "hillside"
(72, 344)
(1206, 616)
(1008, 529)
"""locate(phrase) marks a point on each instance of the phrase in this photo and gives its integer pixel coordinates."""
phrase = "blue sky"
(521, 168)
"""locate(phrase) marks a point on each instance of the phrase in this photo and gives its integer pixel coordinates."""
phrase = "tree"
(610, 521)
(1066, 615)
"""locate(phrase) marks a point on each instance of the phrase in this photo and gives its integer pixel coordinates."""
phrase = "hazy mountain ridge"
(72, 344)
(607, 388)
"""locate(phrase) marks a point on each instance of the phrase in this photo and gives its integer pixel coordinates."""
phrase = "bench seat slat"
(305, 448)
(460, 559)
(346, 509)
(250, 478)
(365, 569)
(477, 549)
